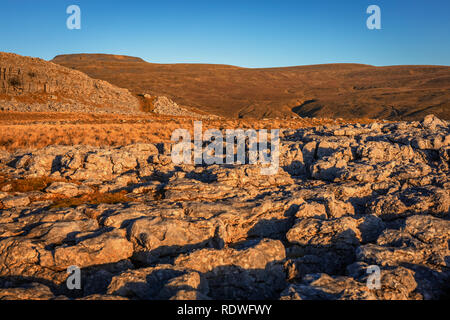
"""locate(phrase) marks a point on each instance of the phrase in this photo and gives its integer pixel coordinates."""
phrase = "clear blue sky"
(247, 33)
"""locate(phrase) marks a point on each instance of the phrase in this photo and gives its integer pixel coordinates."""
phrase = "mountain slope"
(32, 84)
(334, 90)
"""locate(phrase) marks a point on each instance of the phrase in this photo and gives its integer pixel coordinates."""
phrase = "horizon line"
(236, 66)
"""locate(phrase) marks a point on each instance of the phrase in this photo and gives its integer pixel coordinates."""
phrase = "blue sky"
(246, 33)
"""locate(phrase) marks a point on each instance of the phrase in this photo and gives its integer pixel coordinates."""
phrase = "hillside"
(32, 84)
(334, 90)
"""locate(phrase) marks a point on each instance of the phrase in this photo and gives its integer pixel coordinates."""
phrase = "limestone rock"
(106, 248)
(345, 199)
(33, 291)
(67, 189)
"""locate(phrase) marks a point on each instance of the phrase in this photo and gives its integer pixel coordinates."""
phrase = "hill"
(32, 84)
(333, 90)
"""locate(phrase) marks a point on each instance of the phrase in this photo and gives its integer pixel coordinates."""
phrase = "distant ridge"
(98, 57)
(330, 90)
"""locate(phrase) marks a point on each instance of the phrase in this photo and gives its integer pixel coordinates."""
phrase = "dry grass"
(30, 98)
(34, 130)
(60, 201)
(26, 184)
(94, 198)
(39, 136)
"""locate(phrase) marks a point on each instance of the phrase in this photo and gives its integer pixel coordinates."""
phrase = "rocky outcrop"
(32, 84)
(164, 106)
(345, 199)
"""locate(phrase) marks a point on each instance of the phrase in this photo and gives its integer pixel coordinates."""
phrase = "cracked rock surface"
(344, 199)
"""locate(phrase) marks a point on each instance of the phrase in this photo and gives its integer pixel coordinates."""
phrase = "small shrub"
(15, 82)
(147, 103)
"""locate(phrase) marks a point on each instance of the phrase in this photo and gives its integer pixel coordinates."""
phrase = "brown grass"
(31, 98)
(26, 184)
(40, 136)
(59, 201)
(94, 198)
(33, 130)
